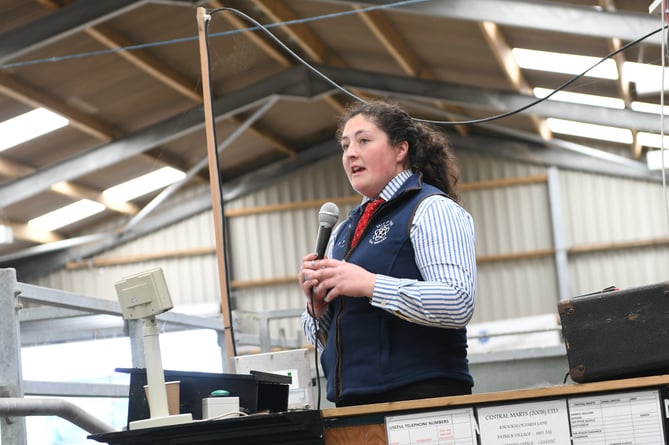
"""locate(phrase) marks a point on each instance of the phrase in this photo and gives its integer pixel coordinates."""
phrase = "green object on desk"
(220, 393)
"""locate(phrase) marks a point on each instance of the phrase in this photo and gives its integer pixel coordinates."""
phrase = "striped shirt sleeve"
(314, 329)
(443, 237)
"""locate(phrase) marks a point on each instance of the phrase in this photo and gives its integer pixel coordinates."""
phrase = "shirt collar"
(392, 187)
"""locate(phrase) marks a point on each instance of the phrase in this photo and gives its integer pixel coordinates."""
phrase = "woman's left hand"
(336, 278)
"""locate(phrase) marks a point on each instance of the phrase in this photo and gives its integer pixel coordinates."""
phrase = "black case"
(618, 333)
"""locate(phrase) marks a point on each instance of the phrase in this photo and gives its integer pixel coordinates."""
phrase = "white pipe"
(19, 406)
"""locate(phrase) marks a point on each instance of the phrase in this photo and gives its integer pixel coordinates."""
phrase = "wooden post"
(215, 184)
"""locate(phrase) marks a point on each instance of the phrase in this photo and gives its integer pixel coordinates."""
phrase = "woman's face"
(369, 160)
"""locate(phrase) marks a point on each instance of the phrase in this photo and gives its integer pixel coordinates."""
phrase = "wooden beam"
(80, 192)
(146, 62)
(393, 42)
(30, 95)
(26, 233)
(623, 83)
(140, 258)
(502, 52)
(504, 182)
(12, 170)
(309, 42)
(258, 39)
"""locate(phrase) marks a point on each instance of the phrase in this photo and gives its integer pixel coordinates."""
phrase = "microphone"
(327, 218)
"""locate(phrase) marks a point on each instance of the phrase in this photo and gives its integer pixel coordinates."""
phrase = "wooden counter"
(365, 424)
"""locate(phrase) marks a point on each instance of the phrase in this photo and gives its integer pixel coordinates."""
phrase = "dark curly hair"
(429, 150)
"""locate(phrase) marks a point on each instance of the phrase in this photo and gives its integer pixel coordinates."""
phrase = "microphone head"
(328, 215)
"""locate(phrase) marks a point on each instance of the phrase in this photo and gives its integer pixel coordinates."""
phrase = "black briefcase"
(617, 333)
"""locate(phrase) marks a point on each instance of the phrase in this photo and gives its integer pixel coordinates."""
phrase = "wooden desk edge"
(491, 397)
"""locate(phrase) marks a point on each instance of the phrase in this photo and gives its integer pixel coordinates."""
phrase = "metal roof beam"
(545, 16)
(496, 101)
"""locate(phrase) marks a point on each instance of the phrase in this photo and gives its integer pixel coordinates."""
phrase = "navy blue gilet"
(370, 350)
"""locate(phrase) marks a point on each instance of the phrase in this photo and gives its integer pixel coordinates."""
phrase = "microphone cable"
(312, 313)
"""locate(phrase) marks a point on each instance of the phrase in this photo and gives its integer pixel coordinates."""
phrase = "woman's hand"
(330, 279)
(308, 283)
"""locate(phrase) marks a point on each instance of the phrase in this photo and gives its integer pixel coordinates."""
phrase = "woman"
(390, 307)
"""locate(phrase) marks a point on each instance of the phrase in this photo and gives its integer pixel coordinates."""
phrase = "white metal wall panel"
(510, 219)
(515, 289)
(513, 219)
(601, 210)
(475, 167)
(266, 246)
(625, 268)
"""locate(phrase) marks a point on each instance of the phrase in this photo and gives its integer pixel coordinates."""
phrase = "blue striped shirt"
(442, 234)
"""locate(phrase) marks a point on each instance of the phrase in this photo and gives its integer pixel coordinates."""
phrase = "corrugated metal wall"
(617, 230)
(608, 224)
(512, 221)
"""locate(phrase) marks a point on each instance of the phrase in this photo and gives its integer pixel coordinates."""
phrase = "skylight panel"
(66, 215)
(30, 125)
(590, 131)
(657, 159)
(645, 107)
(144, 184)
(564, 63)
(579, 98)
(652, 140)
(646, 77)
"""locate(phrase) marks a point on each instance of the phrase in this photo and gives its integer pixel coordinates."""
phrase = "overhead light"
(144, 184)
(30, 125)
(66, 215)
(590, 131)
(579, 98)
(564, 63)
